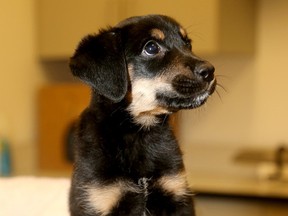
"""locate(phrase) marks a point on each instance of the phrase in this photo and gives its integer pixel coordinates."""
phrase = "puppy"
(127, 160)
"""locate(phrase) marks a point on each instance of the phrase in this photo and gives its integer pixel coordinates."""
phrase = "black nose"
(205, 71)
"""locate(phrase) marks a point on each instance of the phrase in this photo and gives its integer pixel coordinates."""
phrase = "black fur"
(124, 146)
(95, 56)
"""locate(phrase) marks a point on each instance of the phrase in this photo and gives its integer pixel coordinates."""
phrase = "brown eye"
(151, 48)
(188, 43)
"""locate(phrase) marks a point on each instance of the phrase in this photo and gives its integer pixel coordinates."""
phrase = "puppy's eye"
(151, 48)
(188, 44)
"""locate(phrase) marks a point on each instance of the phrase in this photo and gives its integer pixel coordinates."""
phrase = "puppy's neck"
(118, 114)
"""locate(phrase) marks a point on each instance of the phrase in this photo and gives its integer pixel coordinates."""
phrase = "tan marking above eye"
(158, 34)
(183, 32)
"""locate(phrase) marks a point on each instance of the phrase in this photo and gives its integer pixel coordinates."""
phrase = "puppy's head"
(152, 57)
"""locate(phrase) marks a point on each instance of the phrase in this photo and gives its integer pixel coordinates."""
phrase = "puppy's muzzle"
(202, 81)
(190, 90)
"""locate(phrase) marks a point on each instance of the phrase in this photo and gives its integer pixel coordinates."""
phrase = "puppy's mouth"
(187, 94)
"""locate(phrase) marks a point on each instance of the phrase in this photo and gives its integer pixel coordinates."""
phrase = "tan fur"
(146, 121)
(130, 71)
(102, 198)
(144, 106)
(158, 34)
(156, 111)
(180, 69)
(175, 184)
(183, 32)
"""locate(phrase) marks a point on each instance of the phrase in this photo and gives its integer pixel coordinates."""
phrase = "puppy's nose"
(205, 71)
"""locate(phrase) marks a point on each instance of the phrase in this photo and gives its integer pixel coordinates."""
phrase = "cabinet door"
(58, 107)
(216, 26)
(198, 17)
(62, 23)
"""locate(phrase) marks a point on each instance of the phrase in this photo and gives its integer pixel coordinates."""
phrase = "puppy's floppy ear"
(100, 61)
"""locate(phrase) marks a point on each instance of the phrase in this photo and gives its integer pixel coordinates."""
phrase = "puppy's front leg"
(131, 204)
(170, 195)
(119, 198)
(161, 204)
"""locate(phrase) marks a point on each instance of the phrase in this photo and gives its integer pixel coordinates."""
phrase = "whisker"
(122, 122)
(166, 116)
(147, 210)
(222, 87)
(192, 31)
(222, 76)
(189, 26)
(116, 110)
(219, 96)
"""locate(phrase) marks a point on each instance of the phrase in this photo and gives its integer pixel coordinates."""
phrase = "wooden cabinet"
(216, 26)
(62, 23)
(59, 105)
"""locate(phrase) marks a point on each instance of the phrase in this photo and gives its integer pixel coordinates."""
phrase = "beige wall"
(271, 101)
(254, 110)
(19, 79)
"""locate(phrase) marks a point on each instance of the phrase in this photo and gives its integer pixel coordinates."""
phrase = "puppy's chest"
(144, 156)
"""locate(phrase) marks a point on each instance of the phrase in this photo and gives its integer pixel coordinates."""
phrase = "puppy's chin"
(175, 102)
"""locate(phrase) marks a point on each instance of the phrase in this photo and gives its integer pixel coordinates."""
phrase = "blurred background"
(235, 147)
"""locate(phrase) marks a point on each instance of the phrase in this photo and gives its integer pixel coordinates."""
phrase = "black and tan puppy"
(127, 159)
